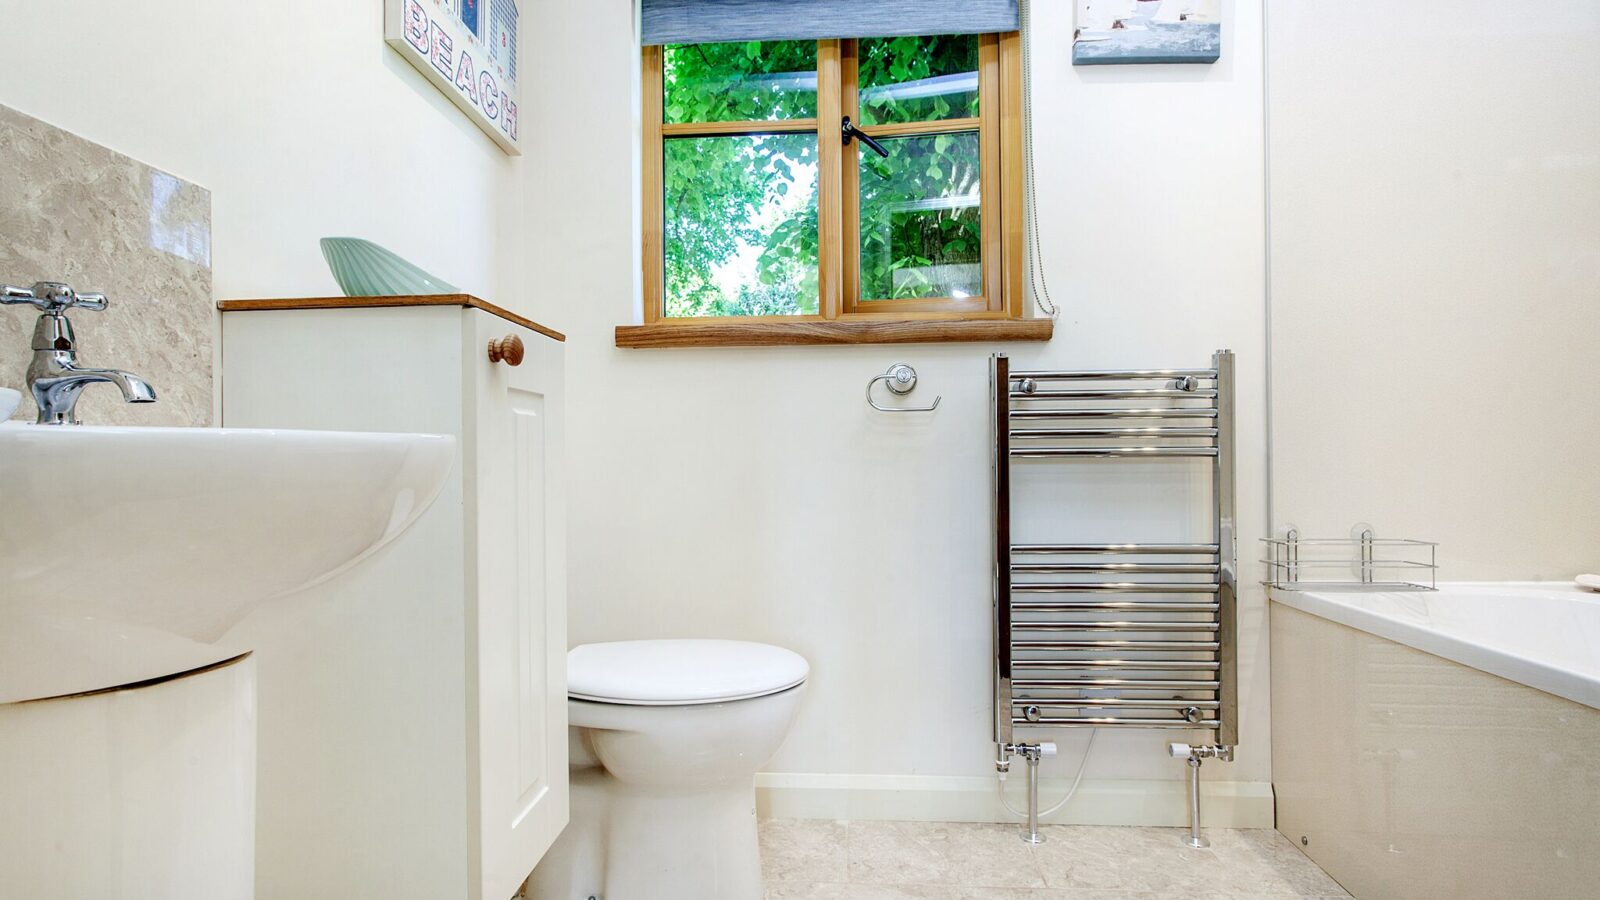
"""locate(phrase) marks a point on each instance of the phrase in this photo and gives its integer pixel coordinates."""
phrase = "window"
(760, 211)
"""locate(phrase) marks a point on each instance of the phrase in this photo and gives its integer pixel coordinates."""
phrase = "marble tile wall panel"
(74, 211)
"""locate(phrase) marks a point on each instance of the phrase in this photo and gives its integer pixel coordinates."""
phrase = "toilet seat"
(680, 672)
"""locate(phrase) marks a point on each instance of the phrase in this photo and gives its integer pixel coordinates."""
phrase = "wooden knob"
(508, 350)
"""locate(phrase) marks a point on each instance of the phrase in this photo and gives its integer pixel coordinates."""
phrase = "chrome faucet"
(54, 376)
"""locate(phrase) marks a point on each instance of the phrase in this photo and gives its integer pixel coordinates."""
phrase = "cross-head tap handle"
(51, 297)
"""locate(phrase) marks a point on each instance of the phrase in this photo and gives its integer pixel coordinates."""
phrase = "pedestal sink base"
(146, 792)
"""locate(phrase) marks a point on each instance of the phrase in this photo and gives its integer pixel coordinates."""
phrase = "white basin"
(125, 551)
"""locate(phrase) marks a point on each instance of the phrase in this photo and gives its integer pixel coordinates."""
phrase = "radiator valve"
(1188, 751)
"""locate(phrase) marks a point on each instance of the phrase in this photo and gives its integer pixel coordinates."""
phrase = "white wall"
(742, 493)
(296, 116)
(1435, 241)
(752, 493)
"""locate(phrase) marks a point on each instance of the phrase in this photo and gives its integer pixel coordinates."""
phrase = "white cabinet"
(413, 728)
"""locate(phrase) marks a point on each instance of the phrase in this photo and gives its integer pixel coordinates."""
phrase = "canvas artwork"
(1113, 32)
(468, 49)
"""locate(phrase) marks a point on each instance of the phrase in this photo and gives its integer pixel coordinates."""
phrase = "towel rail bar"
(1118, 587)
(1141, 665)
(1155, 412)
(1175, 627)
(1114, 645)
(1135, 684)
(1120, 606)
(1119, 567)
(1112, 452)
(1117, 394)
(1108, 415)
(1116, 375)
(1114, 703)
(1118, 549)
(1152, 431)
(1114, 722)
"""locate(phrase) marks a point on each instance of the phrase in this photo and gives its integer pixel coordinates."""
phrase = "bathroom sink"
(125, 551)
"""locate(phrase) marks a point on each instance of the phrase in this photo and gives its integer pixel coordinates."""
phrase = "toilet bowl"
(666, 740)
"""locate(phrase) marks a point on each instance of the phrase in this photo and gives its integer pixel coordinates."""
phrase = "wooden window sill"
(767, 333)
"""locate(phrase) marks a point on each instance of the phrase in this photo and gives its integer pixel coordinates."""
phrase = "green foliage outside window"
(921, 235)
(889, 62)
(741, 214)
(740, 81)
(728, 198)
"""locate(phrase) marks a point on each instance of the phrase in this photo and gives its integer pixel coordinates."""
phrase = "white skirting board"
(967, 798)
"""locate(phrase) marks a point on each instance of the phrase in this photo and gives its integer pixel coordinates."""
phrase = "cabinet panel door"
(521, 605)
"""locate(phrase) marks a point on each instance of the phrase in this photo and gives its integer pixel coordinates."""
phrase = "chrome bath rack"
(1360, 563)
(1115, 634)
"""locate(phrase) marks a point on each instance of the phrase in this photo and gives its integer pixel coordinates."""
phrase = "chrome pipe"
(1000, 469)
(1033, 836)
(1195, 840)
(1224, 477)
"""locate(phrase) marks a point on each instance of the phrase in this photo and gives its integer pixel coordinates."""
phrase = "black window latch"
(851, 131)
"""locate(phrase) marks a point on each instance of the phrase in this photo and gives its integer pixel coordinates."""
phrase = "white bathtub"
(1441, 745)
(1542, 634)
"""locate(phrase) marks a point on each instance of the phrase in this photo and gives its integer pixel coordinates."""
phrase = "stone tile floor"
(813, 859)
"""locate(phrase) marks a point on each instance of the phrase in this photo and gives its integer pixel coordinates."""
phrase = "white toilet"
(666, 740)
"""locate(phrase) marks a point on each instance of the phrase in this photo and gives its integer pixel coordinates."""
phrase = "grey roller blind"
(705, 21)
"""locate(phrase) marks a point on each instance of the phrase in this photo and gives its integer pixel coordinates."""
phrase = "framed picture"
(1118, 32)
(468, 48)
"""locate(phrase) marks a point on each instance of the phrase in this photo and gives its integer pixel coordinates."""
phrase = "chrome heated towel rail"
(1121, 634)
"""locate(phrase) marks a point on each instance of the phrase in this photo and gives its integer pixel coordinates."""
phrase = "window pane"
(918, 79)
(740, 81)
(741, 225)
(921, 230)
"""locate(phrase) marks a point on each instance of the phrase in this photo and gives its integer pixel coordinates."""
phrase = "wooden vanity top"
(374, 302)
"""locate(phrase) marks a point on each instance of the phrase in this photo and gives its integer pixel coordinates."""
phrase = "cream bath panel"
(1404, 774)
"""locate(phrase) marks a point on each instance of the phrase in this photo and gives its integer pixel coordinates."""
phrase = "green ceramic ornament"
(364, 269)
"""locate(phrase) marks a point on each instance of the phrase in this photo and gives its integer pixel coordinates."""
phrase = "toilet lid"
(680, 672)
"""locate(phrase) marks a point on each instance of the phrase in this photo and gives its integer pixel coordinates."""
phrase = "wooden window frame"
(996, 315)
